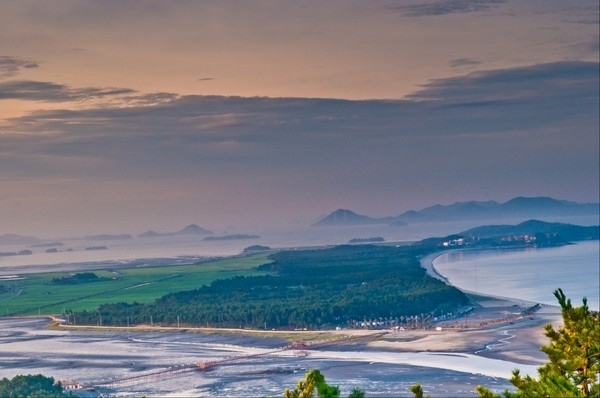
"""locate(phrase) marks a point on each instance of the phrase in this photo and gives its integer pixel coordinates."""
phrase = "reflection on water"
(527, 274)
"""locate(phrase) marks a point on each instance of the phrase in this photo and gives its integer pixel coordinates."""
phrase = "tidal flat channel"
(95, 357)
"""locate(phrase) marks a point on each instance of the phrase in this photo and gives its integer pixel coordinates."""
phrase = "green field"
(38, 294)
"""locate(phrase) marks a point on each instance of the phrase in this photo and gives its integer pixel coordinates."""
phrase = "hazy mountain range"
(520, 207)
(191, 229)
(14, 239)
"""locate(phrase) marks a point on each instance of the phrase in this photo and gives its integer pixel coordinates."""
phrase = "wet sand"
(496, 328)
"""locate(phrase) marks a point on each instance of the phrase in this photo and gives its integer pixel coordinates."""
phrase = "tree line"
(317, 288)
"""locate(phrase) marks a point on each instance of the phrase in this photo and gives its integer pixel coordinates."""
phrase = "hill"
(348, 217)
(191, 229)
(568, 232)
(520, 207)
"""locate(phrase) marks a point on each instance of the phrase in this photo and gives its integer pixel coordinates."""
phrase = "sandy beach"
(496, 328)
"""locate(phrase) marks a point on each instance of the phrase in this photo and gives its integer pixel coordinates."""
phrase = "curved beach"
(497, 327)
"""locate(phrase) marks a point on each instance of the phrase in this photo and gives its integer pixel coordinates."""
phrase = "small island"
(96, 248)
(231, 237)
(255, 249)
(376, 239)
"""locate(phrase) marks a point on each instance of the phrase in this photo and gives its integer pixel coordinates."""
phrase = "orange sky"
(78, 56)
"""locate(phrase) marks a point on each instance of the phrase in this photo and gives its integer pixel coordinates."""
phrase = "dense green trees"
(315, 381)
(338, 286)
(30, 386)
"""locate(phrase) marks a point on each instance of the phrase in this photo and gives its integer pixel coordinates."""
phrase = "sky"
(119, 117)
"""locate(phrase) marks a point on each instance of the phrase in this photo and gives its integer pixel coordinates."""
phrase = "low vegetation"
(348, 286)
(58, 292)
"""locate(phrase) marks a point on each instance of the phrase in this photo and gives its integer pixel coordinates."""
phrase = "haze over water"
(529, 274)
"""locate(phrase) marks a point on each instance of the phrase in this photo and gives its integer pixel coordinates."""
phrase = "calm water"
(182, 248)
(527, 274)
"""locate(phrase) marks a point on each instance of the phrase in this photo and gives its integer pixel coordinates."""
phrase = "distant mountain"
(569, 232)
(12, 239)
(348, 217)
(520, 207)
(191, 229)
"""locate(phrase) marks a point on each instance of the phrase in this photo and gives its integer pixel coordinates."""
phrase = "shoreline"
(517, 337)
(427, 264)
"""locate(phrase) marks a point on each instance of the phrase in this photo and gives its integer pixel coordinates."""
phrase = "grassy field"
(37, 294)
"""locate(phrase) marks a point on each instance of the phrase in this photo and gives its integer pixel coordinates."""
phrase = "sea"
(531, 274)
(526, 274)
(187, 248)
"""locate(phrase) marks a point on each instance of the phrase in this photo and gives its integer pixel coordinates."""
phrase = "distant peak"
(346, 217)
(193, 229)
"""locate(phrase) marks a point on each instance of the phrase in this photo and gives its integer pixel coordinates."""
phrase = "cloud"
(463, 62)
(533, 116)
(444, 7)
(558, 79)
(565, 88)
(53, 92)
(10, 66)
(197, 129)
(204, 79)
(520, 131)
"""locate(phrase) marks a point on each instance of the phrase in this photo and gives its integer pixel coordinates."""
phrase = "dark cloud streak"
(53, 92)
(463, 62)
(10, 66)
(445, 7)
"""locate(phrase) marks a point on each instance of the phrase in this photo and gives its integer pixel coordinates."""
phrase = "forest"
(342, 286)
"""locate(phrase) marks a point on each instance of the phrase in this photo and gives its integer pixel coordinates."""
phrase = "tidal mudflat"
(445, 362)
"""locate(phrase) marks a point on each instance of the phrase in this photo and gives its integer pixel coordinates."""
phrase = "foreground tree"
(357, 393)
(313, 380)
(31, 386)
(418, 391)
(573, 358)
